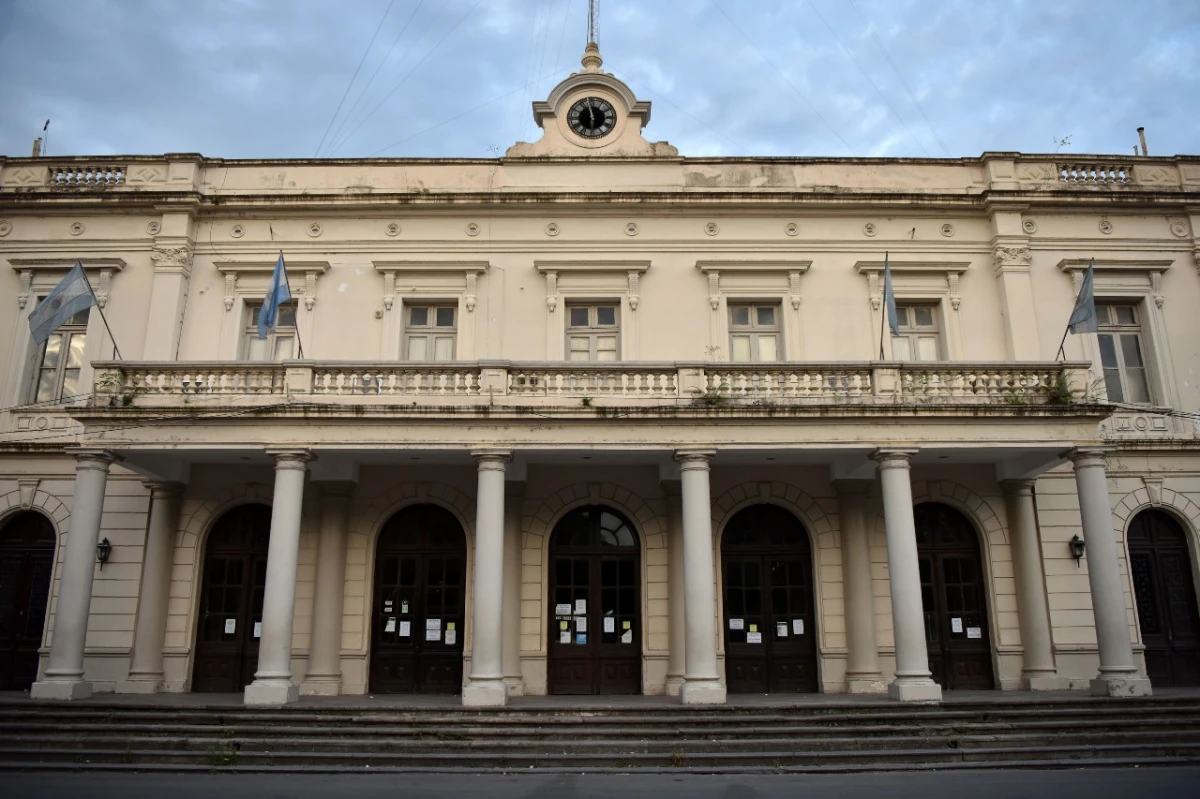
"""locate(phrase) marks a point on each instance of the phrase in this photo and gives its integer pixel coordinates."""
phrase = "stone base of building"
(138, 686)
(1121, 686)
(1045, 682)
(915, 691)
(673, 684)
(274, 692)
(61, 689)
(866, 684)
(322, 686)
(707, 692)
(484, 693)
(514, 686)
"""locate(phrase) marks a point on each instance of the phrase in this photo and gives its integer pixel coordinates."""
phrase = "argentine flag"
(72, 294)
(277, 294)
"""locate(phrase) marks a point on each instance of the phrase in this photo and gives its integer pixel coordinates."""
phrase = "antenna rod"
(593, 18)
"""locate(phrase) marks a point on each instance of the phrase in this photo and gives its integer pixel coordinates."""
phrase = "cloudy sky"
(265, 78)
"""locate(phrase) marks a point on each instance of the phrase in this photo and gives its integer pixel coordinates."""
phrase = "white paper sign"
(433, 624)
(405, 629)
(581, 624)
(735, 624)
(581, 606)
(956, 625)
(390, 626)
(974, 632)
(564, 637)
(627, 637)
(754, 638)
(562, 610)
(610, 624)
(798, 626)
(230, 626)
(258, 629)
(781, 629)
(433, 635)
(451, 637)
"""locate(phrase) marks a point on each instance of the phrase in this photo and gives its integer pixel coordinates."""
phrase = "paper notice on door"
(563, 624)
(433, 624)
(625, 625)
(627, 637)
(974, 632)
(450, 625)
(798, 626)
(433, 635)
(230, 626)
(581, 624)
(390, 626)
(405, 629)
(956, 625)
(404, 606)
(781, 629)
(562, 610)
(736, 624)
(564, 637)
(387, 605)
(581, 606)
(581, 638)
(451, 637)
(610, 624)
(753, 628)
(258, 629)
(754, 638)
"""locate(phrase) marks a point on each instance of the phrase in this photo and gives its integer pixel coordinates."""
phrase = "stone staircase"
(825, 737)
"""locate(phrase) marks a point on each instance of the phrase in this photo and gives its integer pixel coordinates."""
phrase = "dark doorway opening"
(1166, 599)
(26, 569)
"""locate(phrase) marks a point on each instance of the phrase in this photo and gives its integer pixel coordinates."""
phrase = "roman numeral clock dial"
(592, 117)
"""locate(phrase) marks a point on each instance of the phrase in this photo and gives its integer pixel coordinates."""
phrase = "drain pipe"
(1142, 136)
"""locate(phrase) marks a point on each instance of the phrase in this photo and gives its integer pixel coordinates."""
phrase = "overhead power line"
(903, 82)
(353, 77)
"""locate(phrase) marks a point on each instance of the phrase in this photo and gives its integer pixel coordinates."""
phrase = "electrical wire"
(663, 98)
(354, 77)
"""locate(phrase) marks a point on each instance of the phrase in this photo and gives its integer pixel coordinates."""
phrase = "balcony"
(500, 384)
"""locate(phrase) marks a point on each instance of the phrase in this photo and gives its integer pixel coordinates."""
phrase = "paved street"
(1163, 783)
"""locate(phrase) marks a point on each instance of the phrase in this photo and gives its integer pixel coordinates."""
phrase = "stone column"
(1118, 673)
(146, 664)
(64, 670)
(676, 604)
(863, 675)
(1039, 672)
(323, 675)
(273, 681)
(913, 681)
(514, 681)
(701, 683)
(485, 685)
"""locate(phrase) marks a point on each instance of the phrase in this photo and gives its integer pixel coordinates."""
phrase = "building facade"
(597, 418)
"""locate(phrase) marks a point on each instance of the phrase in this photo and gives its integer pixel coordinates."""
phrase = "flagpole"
(103, 318)
(882, 320)
(299, 342)
(1061, 352)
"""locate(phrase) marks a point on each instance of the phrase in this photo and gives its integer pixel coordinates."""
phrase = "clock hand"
(591, 113)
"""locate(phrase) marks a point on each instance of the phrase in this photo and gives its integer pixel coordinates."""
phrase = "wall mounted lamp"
(103, 550)
(1077, 546)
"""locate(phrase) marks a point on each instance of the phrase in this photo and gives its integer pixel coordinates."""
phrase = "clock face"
(592, 117)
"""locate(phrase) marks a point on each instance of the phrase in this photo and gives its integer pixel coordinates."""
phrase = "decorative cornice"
(750, 265)
(1116, 264)
(592, 265)
(909, 267)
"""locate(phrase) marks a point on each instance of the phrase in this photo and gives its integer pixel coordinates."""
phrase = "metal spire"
(593, 20)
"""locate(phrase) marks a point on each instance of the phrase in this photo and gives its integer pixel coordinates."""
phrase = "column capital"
(291, 458)
(856, 487)
(894, 457)
(163, 489)
(334, 488)
(694, 458)
(94, 457)
(1084, 457)
(494, 458)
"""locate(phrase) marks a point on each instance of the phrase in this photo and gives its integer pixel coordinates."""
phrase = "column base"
(484, 693)
(62, 690)
(1121, 686)
(674, 683)
(866, 684)
(1045, 682)
(263, 692)
(135, 685)
(915, 691)
(322, 686)
(707, 692)
(514, 686)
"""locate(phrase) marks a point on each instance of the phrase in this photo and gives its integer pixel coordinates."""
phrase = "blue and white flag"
(889, 298)
(277, 295)
(1083, 317)
(70, 296)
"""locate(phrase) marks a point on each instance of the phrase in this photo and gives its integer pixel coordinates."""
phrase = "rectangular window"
(1120, 339)
(59, 361)
(593, 333)
(430, 332)
(918, 339)
(280, 342)
(754, 332)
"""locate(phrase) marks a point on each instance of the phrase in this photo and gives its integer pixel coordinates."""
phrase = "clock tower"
(591, 114)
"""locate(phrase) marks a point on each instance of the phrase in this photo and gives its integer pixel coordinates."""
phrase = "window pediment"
(920, 277)
(1117, 275)
(458, 278)
(43, 274)
(592, 276)
(778, 275)
(258, 273)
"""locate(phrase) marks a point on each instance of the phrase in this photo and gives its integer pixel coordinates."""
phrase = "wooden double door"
(418, 605)
(1166, 599)
(229, 624)
(26, 568)
(770, 623)
(595, 607)
(954, 598)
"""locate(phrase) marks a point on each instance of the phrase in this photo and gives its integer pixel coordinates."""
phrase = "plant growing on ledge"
(712, 396)
(1059, 392)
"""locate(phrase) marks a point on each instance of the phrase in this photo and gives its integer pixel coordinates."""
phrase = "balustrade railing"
(86, 176)
(393, 380)
(573, 380)
(190, 378)
(787, 382)
(1095, 174)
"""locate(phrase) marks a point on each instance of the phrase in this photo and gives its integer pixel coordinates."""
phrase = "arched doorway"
(1166, 599)
(26, 568)
(954, 596)
(418, 608)
(229, 623)
(770, 622)
(595, 620)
